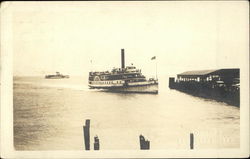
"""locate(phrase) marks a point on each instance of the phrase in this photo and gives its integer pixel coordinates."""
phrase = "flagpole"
(154, 58)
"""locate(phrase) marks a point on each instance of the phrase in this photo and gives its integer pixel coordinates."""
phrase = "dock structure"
(86, 134)
(144, 144)
(220, 84)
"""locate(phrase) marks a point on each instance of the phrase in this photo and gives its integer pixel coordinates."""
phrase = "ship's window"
(96, 78)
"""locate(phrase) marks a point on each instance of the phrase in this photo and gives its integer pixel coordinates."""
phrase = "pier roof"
(204, 73)
(198, 72)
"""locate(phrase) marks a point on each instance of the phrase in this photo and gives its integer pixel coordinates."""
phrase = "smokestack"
(122, 58)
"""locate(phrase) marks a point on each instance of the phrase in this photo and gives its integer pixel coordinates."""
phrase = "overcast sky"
(66, 36)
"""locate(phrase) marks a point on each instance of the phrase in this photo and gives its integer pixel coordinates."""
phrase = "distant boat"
(125, 79)
(57, 76)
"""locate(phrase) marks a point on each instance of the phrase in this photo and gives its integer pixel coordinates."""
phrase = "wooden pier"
(221, 85)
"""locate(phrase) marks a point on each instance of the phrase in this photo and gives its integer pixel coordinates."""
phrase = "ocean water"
(49, 114)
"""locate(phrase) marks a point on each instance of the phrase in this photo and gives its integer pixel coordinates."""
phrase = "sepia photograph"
(124, 79)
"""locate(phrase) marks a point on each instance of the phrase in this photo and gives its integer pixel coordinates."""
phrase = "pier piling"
(96, 143)
(191, 141)
(86, 134)
(144, 144)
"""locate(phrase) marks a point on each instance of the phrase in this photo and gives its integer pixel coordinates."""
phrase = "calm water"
(49, 115)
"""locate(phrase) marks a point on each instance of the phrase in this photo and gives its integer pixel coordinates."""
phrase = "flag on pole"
(153, 58)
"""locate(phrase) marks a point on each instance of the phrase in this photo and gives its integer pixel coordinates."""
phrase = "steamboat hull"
(55, 77)
(143, 89)
(123, 80)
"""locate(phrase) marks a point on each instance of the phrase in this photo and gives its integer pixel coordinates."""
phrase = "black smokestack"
(122, 58)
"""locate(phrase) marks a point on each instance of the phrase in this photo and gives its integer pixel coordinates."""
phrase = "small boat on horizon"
(127, 79)
(58, 75)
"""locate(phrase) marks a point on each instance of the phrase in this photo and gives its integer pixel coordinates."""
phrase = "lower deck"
(128, 87)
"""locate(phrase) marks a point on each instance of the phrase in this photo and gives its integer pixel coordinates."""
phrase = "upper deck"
(117, 74)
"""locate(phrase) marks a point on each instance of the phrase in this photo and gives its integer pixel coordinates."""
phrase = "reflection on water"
(49, 115)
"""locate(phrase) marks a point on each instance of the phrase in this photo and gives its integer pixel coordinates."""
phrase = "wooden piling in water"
(86, 133)
(191, 141)
(96, 143)
(144, 144)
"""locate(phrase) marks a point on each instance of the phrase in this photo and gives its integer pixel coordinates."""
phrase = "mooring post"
(86, 134)
(144, 144)
(96, 143)
(191, 141)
